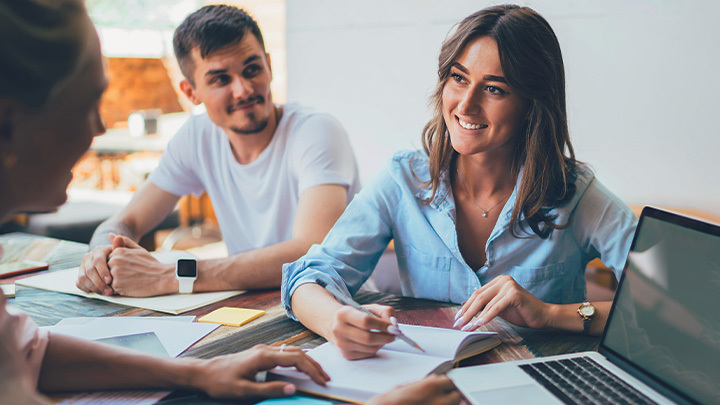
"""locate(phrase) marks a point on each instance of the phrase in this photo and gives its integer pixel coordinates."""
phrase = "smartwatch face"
(186, 268)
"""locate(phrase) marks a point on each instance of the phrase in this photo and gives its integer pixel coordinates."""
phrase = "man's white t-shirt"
(255, 204)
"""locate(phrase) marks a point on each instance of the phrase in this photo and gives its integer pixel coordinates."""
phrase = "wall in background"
(642, 83)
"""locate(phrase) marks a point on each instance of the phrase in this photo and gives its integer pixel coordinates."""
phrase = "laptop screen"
(666, 317)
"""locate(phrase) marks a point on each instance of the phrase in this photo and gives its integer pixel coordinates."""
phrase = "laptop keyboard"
(581, 380)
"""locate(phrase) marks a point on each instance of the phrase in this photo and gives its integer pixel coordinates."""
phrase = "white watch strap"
(185, 285)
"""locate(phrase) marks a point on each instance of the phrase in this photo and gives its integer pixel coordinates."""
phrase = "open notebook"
(64, 281)
(396, 363)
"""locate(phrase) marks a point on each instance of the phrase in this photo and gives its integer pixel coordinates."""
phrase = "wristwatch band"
(186, 272)
(586, 325)
(586, 312)
(185, 285)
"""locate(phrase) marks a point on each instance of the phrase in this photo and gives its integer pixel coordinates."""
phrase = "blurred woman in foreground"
(51, 80)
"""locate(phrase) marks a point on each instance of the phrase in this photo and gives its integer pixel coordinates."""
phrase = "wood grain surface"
(273, 328)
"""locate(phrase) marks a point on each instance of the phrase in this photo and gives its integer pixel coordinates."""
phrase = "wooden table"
(274, 328)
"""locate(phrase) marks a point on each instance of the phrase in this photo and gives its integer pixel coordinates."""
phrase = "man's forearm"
(148, 207)
(103, 231)
(253, 269)
(318, 209)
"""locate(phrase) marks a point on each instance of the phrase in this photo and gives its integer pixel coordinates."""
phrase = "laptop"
(661, 343)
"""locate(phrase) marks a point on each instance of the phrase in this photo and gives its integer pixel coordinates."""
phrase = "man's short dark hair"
(211, 29)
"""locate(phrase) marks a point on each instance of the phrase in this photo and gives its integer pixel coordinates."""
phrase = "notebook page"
(437, 342)
(351, 378)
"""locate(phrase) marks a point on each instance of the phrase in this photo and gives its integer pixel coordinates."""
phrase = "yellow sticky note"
(231, 316)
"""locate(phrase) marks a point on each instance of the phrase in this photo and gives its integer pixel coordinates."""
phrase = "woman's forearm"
(565, 317)
(315, 307)
(71, 364)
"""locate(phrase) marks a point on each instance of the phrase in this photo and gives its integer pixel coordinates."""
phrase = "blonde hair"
(41, 42)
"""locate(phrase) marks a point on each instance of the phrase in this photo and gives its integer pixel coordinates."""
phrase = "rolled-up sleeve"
(604, 226)
(352, 248)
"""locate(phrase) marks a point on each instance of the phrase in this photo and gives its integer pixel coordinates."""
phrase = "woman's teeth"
(468, 125)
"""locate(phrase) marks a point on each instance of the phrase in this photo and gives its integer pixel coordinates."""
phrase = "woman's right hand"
(359, 335)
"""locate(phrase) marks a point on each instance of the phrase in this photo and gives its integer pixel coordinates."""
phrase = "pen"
(349, 301)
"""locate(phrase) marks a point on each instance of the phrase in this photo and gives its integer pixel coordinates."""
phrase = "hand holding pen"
(356, 343)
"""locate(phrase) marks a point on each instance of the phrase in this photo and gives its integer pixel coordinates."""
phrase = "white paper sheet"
(64, 281)
(79, 320)
(8, 290)
(176, 337)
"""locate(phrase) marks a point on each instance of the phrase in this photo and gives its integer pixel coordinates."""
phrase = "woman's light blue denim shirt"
(429, 259)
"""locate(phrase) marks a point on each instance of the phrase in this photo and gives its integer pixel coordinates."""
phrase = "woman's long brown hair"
(532, 64)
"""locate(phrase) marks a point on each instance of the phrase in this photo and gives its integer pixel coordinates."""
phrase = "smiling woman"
(494, 213)
(518, 61)
(483, 115)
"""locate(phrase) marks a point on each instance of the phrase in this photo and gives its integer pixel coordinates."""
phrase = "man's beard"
(255, 126)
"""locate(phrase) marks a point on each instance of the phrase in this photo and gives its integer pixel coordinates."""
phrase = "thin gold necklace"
(467, 193)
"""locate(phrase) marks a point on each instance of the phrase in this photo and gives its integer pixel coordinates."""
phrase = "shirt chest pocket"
(546, 283)
(429, 275)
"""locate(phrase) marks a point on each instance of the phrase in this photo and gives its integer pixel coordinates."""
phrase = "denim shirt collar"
(507, 210)
(444, 201)
(445, 224)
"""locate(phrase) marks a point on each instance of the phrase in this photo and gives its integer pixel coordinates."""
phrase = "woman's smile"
(470, 125)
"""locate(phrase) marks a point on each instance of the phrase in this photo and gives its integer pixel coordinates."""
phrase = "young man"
(278, 176)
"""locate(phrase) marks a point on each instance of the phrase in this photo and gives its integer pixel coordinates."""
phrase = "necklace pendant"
(484, 214)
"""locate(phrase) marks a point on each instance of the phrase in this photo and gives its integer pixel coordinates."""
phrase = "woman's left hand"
(503, 297)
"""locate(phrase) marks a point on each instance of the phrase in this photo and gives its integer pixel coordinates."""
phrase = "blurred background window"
(143, 76)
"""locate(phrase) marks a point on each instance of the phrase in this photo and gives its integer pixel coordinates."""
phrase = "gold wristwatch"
(586, 312)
